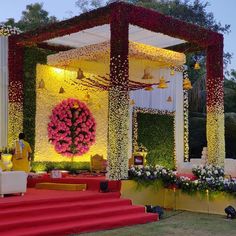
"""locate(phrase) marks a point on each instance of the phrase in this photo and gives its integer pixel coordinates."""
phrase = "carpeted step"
(61, 207)
(23, 202)
(84, 225)
(45, 212)
(52, 217)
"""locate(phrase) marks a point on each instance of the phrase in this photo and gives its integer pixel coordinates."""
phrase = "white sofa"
(12, 182)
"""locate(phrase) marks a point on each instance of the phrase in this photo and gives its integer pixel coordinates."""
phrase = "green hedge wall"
(156, 133)
(72, 167)
(32, 56)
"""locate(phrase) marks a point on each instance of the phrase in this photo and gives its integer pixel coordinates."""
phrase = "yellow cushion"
(61, 186)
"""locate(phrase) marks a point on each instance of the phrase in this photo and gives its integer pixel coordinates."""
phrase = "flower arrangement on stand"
(71, 128)
(209, 178)
(148, 174)
(6, 158)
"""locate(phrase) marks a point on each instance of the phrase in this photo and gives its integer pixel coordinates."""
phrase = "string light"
(197, 66)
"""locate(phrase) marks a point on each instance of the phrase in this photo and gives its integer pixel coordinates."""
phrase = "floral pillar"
(118, 110)
(215, 105)
(3, 90)
(15, 108)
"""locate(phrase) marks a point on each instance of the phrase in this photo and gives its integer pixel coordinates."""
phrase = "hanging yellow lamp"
(41, 84)
(169, 99)
(149, 88)
(147, 75)
(86, 97)
(80, 74)
(132, 102)
(61, 90)
(197, 66)
(172, 71)
(187, 84)
(162, 84)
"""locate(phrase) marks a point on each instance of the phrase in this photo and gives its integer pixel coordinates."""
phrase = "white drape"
(157, 98)
(3, 90)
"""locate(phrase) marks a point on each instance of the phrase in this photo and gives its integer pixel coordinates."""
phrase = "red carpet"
(50, 212)
(93, 182)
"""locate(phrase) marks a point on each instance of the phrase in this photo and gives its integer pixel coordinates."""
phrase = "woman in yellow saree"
(21, 157)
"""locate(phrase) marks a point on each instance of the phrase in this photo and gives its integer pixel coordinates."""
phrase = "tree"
(194, 13)
(88, 5)
(233, 75)
(33, 17)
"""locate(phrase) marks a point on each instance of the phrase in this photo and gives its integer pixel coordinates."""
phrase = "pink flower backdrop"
(72, 128)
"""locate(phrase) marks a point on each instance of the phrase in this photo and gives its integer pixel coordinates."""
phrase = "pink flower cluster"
(71, 128)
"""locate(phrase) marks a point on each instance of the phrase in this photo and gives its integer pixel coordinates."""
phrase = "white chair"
(13, 182)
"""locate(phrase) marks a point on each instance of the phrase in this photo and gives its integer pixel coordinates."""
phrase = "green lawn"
(178, 223)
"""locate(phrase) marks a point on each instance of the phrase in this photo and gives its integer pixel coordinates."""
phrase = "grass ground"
(178, 223)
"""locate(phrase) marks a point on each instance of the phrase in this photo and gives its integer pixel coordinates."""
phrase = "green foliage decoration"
(156, 133)
(32, 56)
(72, 167)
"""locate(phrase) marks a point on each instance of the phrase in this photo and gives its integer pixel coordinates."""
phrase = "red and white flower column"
(3, 90)
(215, 104)
(118, 108)
(15, 93)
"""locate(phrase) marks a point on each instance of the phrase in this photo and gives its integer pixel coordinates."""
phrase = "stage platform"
(92, 181)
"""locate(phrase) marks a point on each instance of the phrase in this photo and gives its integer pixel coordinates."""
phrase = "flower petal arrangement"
(208, 177)
(72, 128)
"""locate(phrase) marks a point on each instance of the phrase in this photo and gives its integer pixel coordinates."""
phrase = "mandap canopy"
(120, 23)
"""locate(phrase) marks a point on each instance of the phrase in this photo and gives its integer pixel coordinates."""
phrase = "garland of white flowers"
(186, 124)
(101, 52)
(183, 69)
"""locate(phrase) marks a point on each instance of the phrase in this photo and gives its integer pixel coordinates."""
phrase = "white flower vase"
(6, 161)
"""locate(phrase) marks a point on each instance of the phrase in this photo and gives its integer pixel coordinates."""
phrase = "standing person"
(21, 158)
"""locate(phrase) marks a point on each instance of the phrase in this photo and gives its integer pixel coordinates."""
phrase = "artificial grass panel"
(156, 133)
